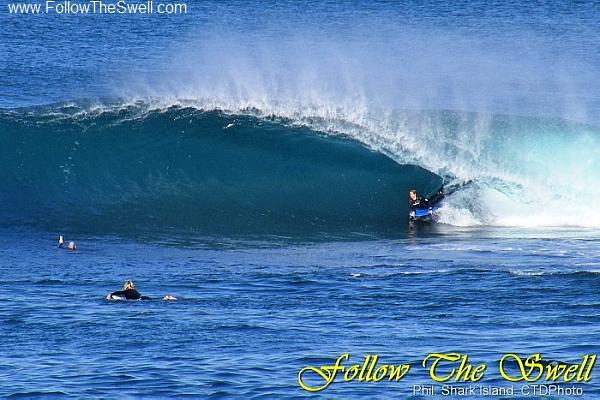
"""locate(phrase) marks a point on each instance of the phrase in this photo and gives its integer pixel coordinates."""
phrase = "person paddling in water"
(129, 292)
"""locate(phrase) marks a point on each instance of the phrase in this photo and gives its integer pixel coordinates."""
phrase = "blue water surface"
(250, 316)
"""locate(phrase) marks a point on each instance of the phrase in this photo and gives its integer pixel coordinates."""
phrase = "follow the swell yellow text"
(447, 367)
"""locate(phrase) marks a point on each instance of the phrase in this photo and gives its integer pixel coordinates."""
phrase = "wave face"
(130, 168)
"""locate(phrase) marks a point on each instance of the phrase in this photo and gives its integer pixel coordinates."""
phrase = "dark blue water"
(252, 159)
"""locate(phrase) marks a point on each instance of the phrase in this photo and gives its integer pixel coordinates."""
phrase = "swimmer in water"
(129, 292)
(61, 244)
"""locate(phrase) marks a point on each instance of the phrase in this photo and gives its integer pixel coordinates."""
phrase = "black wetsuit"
(419, 202)
(130, 294)
(423, 202)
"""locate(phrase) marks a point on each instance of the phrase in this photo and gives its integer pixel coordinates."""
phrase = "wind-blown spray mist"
(389, 89)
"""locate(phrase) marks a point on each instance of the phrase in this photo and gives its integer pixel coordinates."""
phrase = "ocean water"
(250, 316)
(253, 159)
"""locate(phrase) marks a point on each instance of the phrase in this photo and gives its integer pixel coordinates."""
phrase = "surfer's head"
(128, 285)
(412, 194)
(71, 246)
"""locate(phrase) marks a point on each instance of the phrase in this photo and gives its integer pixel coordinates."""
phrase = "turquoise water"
(253, 158)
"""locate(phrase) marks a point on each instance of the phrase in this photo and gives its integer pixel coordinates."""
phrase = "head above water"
(71, 246)
(128, 285)
(412, 194)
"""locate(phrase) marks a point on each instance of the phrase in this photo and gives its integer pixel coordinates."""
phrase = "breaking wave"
(214, 168)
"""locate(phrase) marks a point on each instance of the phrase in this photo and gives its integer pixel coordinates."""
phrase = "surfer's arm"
(437, 197)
